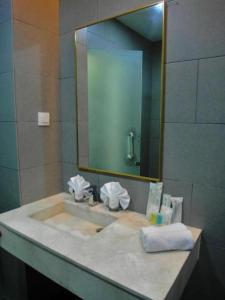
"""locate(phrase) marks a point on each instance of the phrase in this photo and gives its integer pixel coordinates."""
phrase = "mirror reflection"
(119, 93)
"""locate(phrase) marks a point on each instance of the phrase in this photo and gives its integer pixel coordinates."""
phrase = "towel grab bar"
(130, 146)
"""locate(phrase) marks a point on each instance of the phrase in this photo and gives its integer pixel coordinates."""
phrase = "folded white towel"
(79, 185)
(164, 238)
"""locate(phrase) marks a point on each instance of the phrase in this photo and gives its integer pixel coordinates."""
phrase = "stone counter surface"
(115, 254)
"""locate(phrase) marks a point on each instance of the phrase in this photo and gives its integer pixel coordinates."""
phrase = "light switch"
(43, 119)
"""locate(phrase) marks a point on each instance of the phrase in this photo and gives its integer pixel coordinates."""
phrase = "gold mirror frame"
(162, 96)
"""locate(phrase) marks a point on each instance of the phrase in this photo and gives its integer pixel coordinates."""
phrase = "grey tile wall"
(69, 149)
(7, 112)
(88, 11)
(211, 218)
(35, 50)
(9, 177)
(5, 10)
(195, 30)
(6, 46)
(8, 149)
(194, 160)
(36, 65)
(68, 105)
(39, 182)
(67, 100)
(67, 55)
(180, 100)
(211, 91)
(198, 146)
(41, 14)
(11, 283)
(42, 95)
(38, 145)
(9, 189)
(108, 8)
(194, 129)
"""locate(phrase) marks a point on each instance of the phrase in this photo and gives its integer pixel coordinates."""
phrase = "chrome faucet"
(92, 195)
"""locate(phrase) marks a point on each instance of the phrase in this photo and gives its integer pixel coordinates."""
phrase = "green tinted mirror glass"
(120, 94)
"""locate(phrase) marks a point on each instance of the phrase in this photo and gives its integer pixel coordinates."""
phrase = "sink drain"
(99, 229)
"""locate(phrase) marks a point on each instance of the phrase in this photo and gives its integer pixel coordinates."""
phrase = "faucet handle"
(92, 195)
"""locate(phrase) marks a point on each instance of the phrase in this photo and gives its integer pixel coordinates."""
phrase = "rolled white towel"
(164, 238)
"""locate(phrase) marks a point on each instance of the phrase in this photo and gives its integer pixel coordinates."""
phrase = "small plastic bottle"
(159, 219)
(153, 218)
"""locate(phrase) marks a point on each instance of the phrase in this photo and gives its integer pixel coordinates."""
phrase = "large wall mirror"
(120, 86)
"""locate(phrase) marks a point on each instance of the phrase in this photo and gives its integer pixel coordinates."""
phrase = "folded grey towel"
(164, 238)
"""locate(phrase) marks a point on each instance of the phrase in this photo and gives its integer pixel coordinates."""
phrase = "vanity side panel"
(74, 279)
(185, 274)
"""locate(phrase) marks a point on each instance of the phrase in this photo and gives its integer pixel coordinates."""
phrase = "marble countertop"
(114, 254)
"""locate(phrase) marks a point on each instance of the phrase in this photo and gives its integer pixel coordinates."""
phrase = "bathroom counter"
(109, 265)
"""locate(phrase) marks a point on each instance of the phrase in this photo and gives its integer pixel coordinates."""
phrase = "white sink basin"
(79, 220)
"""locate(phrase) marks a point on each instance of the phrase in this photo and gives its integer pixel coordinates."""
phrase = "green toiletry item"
(159, 219)
(153, 218)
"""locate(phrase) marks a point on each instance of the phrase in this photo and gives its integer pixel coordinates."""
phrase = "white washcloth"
(164, 238)
(79, 185)
(113, 194)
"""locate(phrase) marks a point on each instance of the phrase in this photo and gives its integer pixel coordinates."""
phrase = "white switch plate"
(43, 119)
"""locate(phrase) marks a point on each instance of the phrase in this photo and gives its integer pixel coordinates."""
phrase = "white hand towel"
(113, 195)
(79, 185)
(165, 238)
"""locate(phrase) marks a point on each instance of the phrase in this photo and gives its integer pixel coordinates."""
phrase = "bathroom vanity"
(94, 253)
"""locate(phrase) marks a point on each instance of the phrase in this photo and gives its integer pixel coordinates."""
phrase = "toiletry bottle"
(166, 209)
(154, 200)
(93, 196)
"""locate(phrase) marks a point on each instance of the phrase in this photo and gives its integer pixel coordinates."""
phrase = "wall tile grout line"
(7, 72)
(13, 169)
(41, 165)
(67, 77)
(2, 122)
(35, 26)
(16, 112)
(191, 123)
(193, 59)
(196, 96)
(192, 190)
(36, 122)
